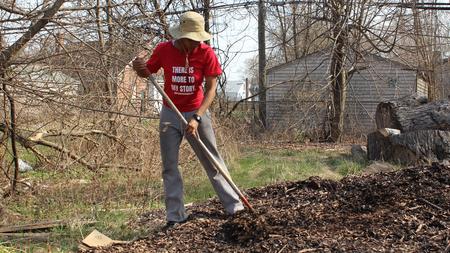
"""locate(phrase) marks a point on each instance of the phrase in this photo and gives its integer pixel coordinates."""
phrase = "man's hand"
(192, 127)
(140, 66)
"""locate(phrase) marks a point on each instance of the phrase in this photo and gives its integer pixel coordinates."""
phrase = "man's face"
(190, 44)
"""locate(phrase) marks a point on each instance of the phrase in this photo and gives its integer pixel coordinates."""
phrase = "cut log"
(386, 113)
(410, 116)
(411, 148)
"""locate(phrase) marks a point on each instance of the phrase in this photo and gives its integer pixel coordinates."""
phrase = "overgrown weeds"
(61, 188)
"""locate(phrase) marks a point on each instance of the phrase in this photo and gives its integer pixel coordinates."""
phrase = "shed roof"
(327, 52)
(47, 78)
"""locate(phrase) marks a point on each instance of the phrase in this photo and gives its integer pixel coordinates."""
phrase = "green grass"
(115, 197)
(28, 156)
(66, 239)
(262, 167)
(111, 222)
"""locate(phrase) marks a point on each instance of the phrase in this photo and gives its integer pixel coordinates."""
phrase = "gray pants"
(171, 134)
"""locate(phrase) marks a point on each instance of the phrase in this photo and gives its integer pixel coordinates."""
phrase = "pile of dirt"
(402, 211)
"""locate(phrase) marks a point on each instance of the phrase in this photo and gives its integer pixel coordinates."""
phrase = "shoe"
(236, 211)
(236, 214)
(174, 224)
(169, 224)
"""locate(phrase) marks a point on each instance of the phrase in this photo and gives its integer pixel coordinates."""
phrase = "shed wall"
(300, 94)
(443, 79)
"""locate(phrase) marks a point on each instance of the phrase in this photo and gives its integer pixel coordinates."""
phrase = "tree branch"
(12, 10)
(7, 54)
(37, 140)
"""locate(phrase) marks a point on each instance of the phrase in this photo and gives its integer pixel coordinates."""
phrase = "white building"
(236, 90)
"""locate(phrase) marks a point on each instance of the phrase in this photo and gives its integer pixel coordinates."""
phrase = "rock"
(359, 153)
(378, 166)
(24, 167)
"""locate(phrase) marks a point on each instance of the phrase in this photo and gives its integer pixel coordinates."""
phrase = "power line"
(248, 4)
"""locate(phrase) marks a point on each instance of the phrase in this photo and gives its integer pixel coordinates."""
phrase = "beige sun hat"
(192, 26)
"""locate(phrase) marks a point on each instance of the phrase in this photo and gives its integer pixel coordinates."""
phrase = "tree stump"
(422, 136)
(411, 148)
(379, 145)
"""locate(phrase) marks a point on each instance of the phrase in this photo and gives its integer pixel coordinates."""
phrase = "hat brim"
(197, 36)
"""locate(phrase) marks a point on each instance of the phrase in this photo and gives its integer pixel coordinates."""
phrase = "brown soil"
(402, 211)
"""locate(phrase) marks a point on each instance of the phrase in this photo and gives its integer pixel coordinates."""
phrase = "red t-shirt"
(183, 83)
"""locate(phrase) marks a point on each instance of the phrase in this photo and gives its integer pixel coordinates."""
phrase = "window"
(392, 82)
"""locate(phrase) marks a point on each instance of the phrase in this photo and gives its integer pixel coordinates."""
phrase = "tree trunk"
(379, 146)
(425, 39)
(262, 61)
(412, 148)
(338, 86)
(206, 15)
(413, 114)
(283, 35)
(294, 31)
(162, 19)
(338, 72)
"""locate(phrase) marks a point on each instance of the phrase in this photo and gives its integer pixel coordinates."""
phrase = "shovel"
(208, 154)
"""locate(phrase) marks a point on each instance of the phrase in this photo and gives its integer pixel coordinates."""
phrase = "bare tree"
(6, 56)
(348, 30)
(67, 84)
(262, 60)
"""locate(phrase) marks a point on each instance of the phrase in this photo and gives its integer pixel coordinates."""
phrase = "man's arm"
(140, 66)
(210, 94)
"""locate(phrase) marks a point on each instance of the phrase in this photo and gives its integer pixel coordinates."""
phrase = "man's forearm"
(207, 101)
(210, 94)
(140, 66)
(143, 73)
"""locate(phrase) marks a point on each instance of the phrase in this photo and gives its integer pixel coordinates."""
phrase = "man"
(187, 62)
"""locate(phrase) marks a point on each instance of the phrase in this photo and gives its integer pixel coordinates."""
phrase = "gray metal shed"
(300, 92)
(443, 79)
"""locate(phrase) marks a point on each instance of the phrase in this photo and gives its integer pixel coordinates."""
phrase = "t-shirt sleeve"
(212, 65)
(154, 63)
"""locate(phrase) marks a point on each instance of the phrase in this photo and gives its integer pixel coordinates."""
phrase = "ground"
(402, 211)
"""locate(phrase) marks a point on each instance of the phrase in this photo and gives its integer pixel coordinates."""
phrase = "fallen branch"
(429, 203)
(38, 226)
(41, 135)
(25, 236)
(68, 152)
(41, 156)
(37, 139)
(31, 227)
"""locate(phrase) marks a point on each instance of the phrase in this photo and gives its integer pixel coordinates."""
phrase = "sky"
(236, 31)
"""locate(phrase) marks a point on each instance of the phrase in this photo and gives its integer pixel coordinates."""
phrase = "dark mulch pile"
(403, 211)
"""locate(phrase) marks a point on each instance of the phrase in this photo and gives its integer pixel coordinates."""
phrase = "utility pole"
(206, 15)
(262, 61)
(246, 87)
